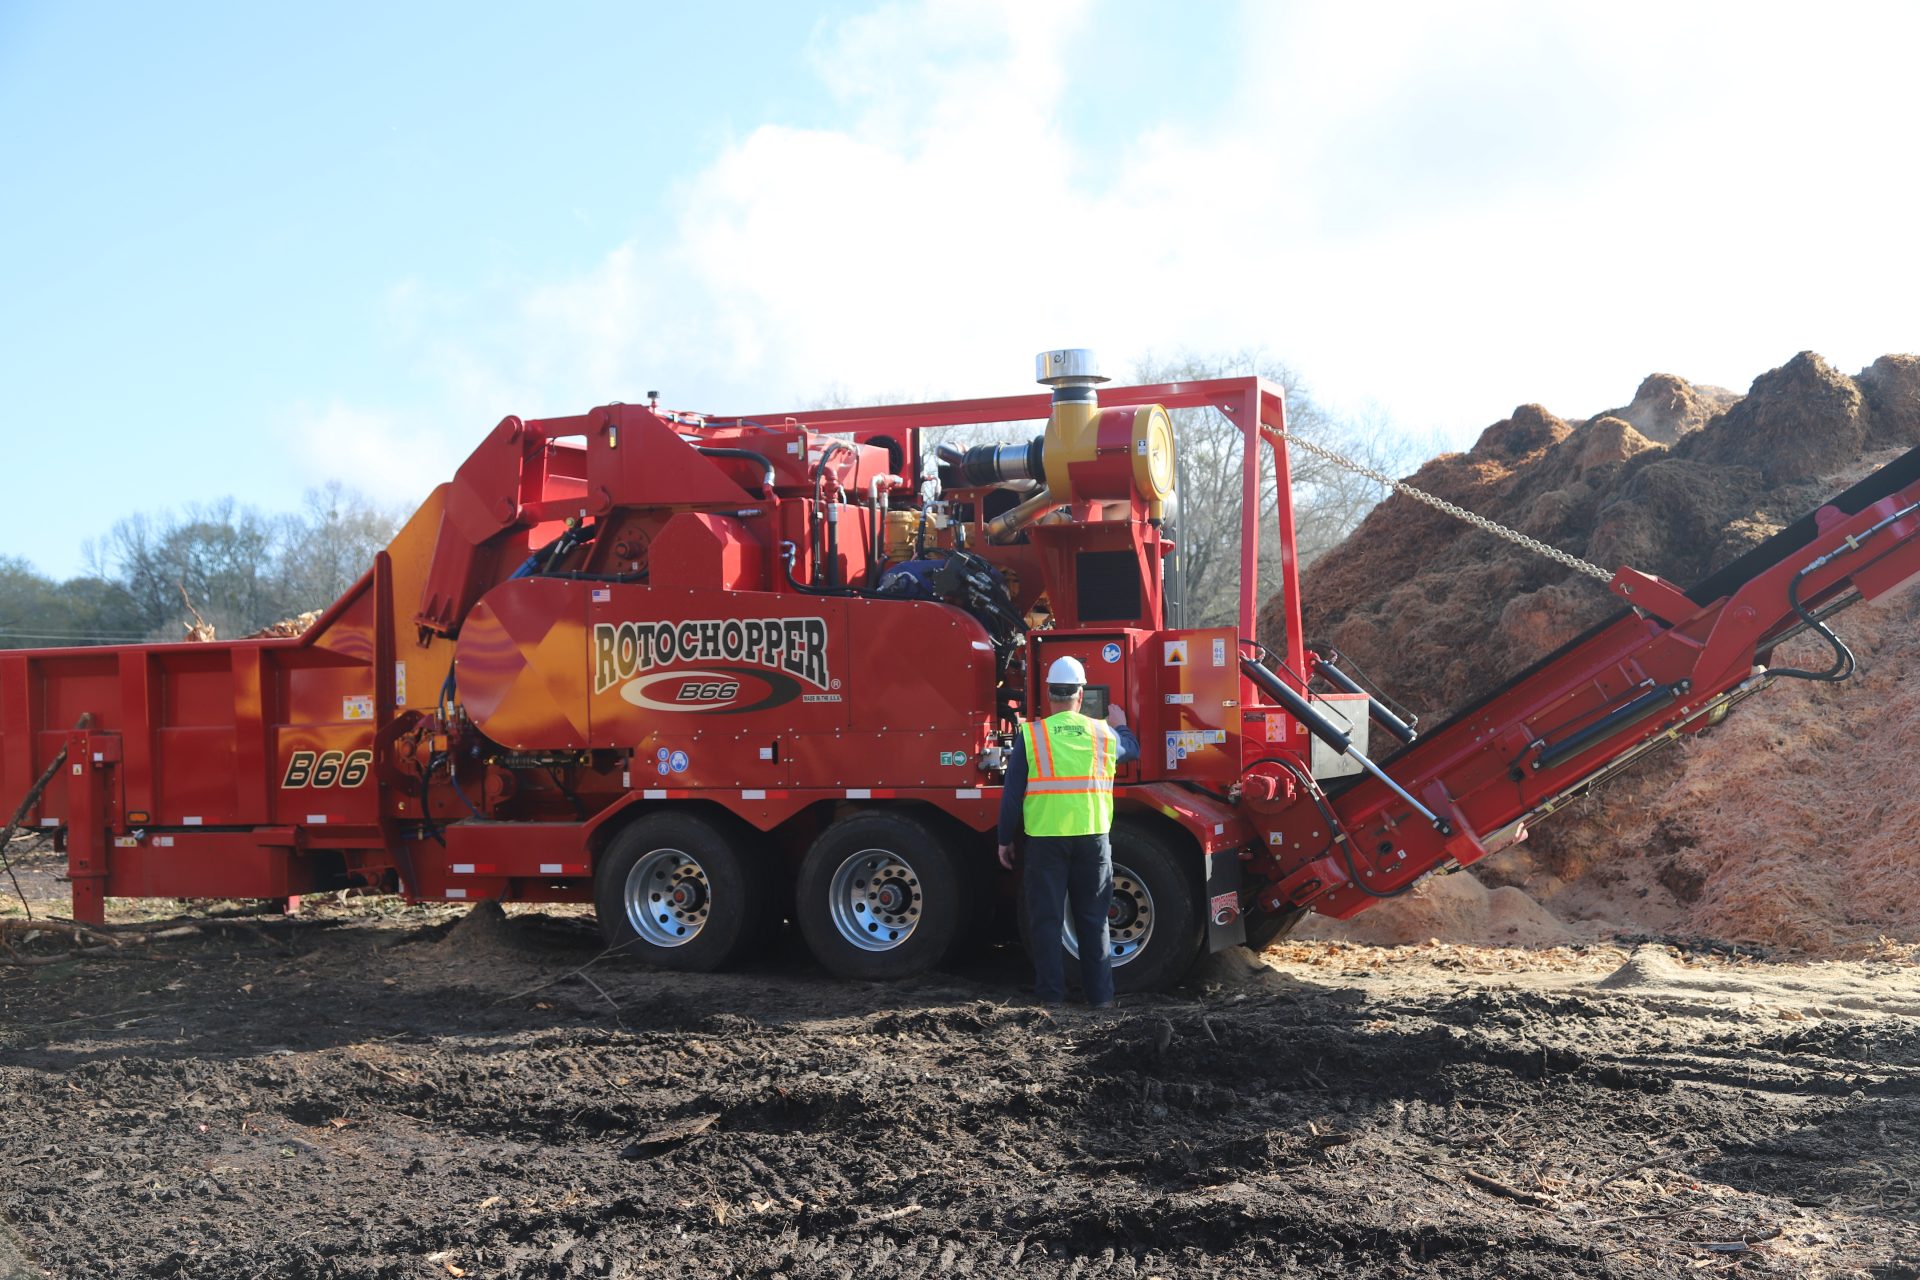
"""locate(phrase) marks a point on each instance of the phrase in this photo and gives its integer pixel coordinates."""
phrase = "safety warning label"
(1184, 742)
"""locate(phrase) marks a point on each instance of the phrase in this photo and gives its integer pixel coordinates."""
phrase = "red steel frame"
(1243, 400)
(178, 796)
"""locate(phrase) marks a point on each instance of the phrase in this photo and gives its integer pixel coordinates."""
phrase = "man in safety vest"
(1059, 790)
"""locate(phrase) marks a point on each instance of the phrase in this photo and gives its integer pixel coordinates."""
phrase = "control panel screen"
(1094, 703)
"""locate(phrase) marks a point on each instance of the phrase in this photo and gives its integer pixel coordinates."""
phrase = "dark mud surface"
(386, 1097)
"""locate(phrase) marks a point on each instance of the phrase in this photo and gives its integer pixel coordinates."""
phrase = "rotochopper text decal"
(797, 646)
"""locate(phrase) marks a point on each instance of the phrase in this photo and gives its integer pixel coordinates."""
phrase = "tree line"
(154, 575)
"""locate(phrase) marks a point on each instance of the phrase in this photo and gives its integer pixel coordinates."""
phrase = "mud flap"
(1225, 927)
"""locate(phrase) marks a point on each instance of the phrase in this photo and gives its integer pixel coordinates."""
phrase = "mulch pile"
(1798, 823)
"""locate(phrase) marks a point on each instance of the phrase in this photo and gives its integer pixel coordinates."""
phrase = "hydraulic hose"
(833, 544)
(1336, 834)
(540, 562)
(787, 554)
(745, 455)
(815, 517)
(1843, 663)
(453, 777)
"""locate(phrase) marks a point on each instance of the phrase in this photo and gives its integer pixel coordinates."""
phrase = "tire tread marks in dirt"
(809, 1128)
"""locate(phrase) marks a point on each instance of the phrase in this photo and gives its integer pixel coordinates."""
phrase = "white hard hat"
(1066, 671)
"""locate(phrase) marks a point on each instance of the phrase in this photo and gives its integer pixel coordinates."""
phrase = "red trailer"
(713, 672)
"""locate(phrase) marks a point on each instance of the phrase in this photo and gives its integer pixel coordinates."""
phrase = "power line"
(129, 637)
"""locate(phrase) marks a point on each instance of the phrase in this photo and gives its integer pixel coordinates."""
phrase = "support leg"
(87, 822)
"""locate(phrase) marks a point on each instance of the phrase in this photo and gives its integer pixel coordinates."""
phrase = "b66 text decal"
(327, 768)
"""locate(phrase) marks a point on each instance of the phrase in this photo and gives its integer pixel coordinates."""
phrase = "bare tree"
(325, 548)
(1328, 501)
(220, 555)
(236, 567)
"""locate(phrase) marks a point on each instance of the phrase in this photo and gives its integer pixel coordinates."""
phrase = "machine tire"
(842, 888)
(688, 853)
(1264, 930)
(1151, 861)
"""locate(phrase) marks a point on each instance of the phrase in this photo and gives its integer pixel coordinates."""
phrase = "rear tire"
(1156, 922)
(681, 891)
(880, 897)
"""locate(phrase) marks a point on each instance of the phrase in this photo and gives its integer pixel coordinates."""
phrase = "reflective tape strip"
(191, 822)
(1069, 787)
(1043, 741)
(859, 793)
(967, 793)
(653, 795)
(456, 893)
(753, 795)
(463, 868)
(317, 819)
(552, 869)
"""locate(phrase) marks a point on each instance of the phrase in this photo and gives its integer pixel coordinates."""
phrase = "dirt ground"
(370, 1090)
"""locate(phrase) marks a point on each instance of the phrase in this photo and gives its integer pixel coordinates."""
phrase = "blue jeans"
(1077, 870)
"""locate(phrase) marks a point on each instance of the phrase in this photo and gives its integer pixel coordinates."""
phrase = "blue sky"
(246, 248)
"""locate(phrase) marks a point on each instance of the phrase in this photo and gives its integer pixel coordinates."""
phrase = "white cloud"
(1441, 209)
(383, 455)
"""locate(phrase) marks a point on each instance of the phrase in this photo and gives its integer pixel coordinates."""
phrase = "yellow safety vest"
(1071, 760)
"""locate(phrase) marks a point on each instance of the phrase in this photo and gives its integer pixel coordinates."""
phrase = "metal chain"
(1438, 503)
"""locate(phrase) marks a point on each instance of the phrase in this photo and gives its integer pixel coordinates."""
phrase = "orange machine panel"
(520, 664)
(1197, 674)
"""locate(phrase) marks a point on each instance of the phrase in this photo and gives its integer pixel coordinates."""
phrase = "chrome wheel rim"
(668, 898)
(874, 900)
(1129, 918)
